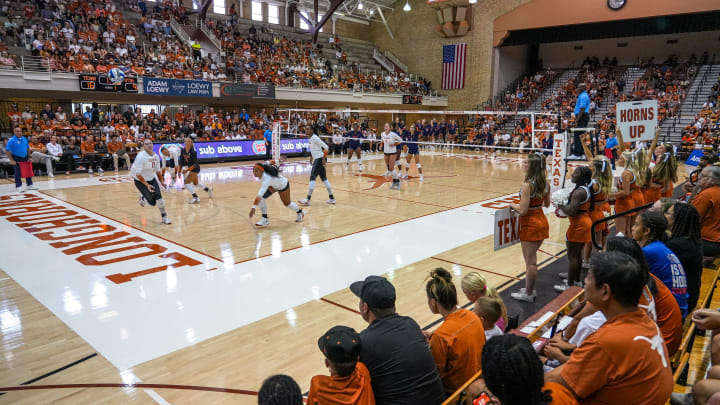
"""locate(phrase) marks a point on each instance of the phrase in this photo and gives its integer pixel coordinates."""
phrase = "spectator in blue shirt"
(612, 144)
(582, 118)
(18, 150)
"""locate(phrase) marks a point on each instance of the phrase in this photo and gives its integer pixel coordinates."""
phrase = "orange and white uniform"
(579, 229)
(599, 207)
(534, 225)
(623, 204)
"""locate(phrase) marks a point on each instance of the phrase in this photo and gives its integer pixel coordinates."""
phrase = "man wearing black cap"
(394, 349)
(349, 381)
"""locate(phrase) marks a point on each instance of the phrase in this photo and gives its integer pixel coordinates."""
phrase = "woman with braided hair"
(578, 232)
(649, 232)
(684, 223)
(513, 375)
(280, 390)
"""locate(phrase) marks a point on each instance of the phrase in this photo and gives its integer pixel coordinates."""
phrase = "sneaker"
(304, 202)
(194, 200)
(561, 287)
(100, 170)
(116, 170)
(523, 296)
(405, 177)
(90, 171)
(360, 167)
(209, 191)
(166, 220)
(20, 189)
(51, 175)
(141, 201)
(263, 222)
(562, 275)
(32, 187)
(300, 216)
(386, 174)
(586, 265)
(421, 177)
(67, 173)
(55, 158)
(81, 168)
(331, 201)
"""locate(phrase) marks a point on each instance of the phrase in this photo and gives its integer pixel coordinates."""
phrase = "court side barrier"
(611, 217)
(460, 396)
(681, 359)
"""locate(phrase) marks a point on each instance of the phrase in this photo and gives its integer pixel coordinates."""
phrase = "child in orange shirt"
(349, 380)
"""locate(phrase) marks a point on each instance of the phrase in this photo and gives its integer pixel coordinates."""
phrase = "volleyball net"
(504, 127)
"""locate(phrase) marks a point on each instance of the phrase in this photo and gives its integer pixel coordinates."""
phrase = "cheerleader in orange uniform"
(667, 175)
(623, 197)
(640, 171)
(578, 232)
(601, 186)
(534, 195)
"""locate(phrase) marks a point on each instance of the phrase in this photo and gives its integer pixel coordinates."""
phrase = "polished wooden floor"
(36, 343)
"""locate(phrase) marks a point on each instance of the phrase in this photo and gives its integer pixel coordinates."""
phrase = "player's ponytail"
(441, 288)
(270, 169)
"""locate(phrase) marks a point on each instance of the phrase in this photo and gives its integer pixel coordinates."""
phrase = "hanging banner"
(507, 228)
(557, 162)
(637, 120)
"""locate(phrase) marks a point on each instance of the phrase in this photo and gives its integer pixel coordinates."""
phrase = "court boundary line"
(131, 226)
(5, 390)
(475, 268)
(339, 305)
(57, 370)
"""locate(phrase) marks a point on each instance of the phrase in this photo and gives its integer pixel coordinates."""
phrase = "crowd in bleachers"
(704, 132)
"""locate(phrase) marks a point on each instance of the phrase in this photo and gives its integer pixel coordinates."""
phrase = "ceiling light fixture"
(372, 11)
(473, 1)
(360, 5)
(407, 6)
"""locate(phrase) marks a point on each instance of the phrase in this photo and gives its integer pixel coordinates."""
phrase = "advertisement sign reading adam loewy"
(176, 87)
(248, 90)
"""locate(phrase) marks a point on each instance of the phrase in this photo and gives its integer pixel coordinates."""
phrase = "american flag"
(453, 76)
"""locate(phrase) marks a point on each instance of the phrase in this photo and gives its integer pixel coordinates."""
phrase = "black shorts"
(390, 154)
(268, 193)
(413, 151)
(170, 163)
(150, 197)
(318, 169)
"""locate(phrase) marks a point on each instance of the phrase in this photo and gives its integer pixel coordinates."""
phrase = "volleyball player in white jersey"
(390, 141)
(318, 151)
(144, 171)
(172, 152)
(272, 181)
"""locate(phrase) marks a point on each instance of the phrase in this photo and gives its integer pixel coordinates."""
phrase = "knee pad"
(161, 203)
(418, 165)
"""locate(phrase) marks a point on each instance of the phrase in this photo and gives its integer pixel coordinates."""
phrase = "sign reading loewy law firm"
(176, 87)
(101, 83)
(637, 120)
(248, 90)
(507, 228)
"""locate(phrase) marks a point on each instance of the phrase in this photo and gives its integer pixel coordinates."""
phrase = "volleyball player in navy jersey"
(427, 131)
(452, 130)
(404, 134)
(442, 130)
(355, 139)
(413, 151)
(435, 130)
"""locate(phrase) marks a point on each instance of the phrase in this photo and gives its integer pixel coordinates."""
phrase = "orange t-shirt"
(669, 317)
(114, 146)
(87, 147)
(37, 145)
(560, 394)
(707, 203)
(354, 389)
(619, 362)
(457, 346)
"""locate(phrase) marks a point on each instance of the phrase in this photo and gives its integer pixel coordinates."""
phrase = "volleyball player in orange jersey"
(578, 232)
(534, 195)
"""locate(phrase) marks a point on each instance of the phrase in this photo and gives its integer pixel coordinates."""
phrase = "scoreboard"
(101, 83)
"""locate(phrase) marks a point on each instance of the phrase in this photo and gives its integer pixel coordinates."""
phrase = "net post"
(276, 155)
(532, 123)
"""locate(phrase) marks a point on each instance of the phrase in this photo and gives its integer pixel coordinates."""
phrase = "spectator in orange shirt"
(707, 202)
(39, 155)
(14, 116)
(626, 358)
(513, 375)
(87, 148)
(349, 380)
(457, 344)
(116, 148)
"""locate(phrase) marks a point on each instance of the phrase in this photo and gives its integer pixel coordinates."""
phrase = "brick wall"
(418, 46)
(348, 29)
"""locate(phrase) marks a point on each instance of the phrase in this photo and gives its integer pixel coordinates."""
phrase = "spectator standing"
(18, 150)
(627, 354)
(268, 142)
(611, 147)
(394, 349)
(349, 380)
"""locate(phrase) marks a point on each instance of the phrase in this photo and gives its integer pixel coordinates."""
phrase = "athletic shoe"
(90, 171)
(347, 166)
(55, 158)
(360, 167)
(51, 175)
(20, 189)
(100, 170)
(561, 287)
(81, 168)
(331, 201)
(67, 173)
(141, 201)
(421, 177)
(166, 220)
(387, 173)
(32, 187)
(405, 177)
(116, 170)
(523, 296)
(300, 216)
(263, 222)
(304, 202)
(586, 265)
(209, 191)
(194, 200)
(562, 275)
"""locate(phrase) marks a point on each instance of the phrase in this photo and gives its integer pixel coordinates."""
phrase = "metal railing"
(208, 33)
(382, 60)
(38, 64)
(179, 31)
(396, 61)
(608, 218)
